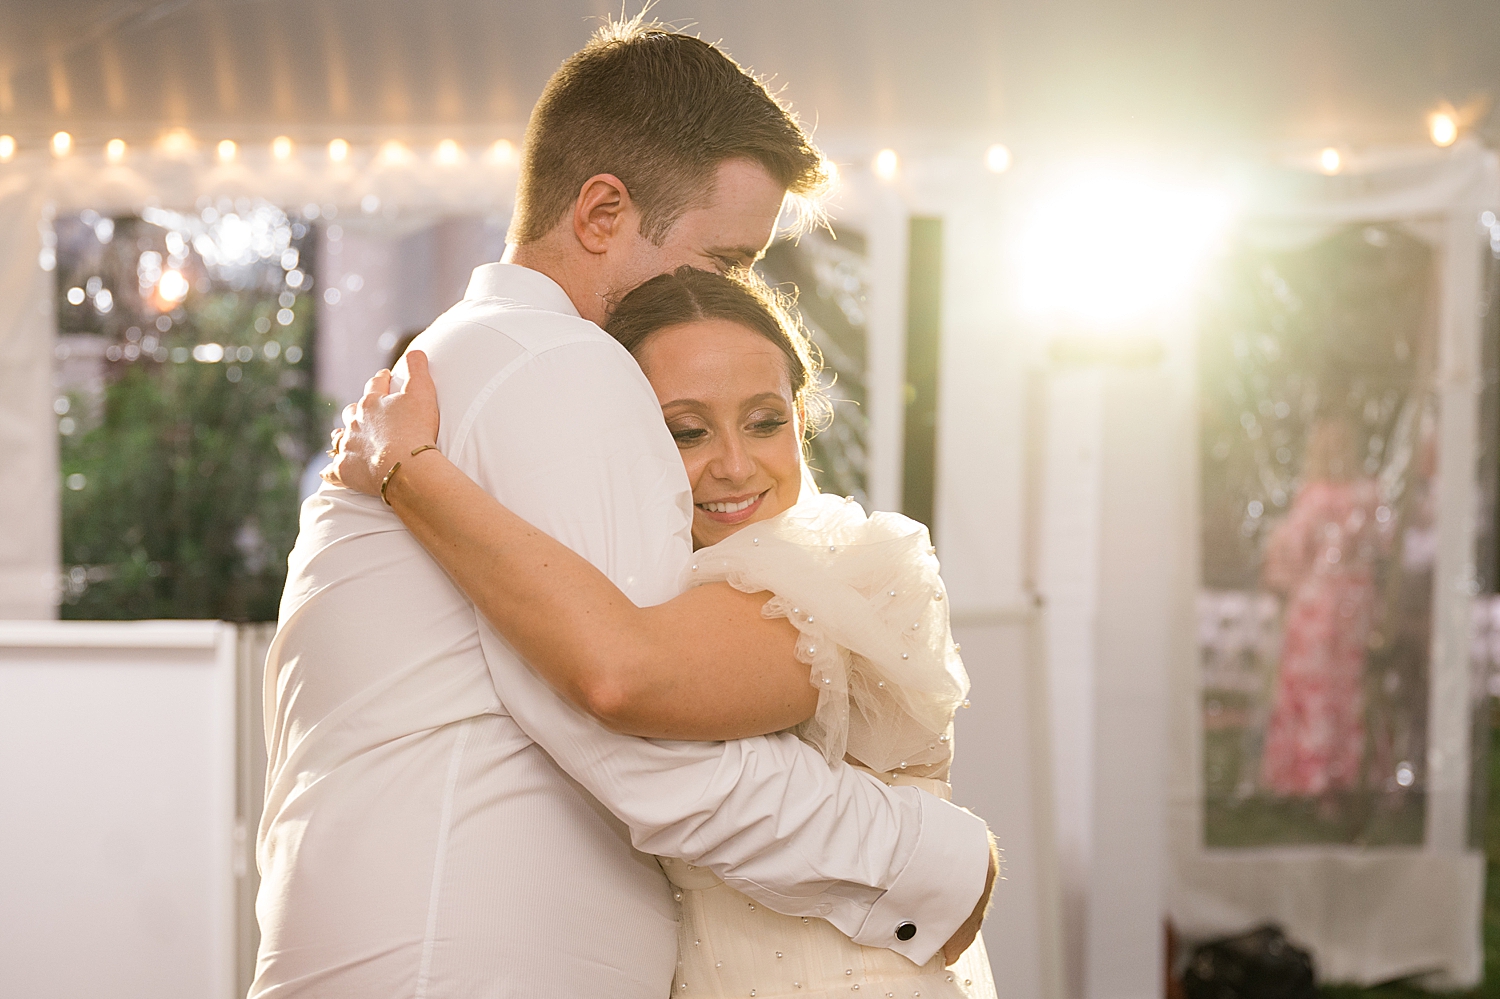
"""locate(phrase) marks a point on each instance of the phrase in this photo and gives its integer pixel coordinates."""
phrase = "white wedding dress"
(865, 594)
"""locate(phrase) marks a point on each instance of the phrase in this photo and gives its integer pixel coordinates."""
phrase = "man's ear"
(602, 212)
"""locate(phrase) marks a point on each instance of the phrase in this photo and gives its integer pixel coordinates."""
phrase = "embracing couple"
(580, 687)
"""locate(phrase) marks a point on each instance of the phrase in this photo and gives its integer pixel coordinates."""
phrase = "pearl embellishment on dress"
(903, 656)
(893, 593)
(943, 737)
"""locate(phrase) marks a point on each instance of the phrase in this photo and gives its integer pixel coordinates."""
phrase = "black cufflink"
(906, 931)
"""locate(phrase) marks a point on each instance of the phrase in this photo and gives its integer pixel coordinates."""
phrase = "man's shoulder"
(532, 330)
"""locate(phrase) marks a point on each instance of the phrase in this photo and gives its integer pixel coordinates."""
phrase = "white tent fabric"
(1373, 914)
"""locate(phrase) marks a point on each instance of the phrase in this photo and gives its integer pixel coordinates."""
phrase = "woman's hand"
(383, 427)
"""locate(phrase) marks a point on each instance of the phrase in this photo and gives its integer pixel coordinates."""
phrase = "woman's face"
(727, 399)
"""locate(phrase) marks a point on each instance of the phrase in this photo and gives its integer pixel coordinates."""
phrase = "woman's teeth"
(728, 507)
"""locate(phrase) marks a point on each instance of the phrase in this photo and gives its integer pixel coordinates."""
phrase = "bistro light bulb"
(7, 148)
(114, 150)
(394, 152)
(997, 158)
(503, 151)
(227, 149)
(281, 147)
(1329, 161)
(448, 152)
(62, 144)
(338, 150)
(885, 164)
(1443, 128)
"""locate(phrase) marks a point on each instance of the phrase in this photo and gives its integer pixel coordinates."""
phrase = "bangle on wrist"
(389, 475)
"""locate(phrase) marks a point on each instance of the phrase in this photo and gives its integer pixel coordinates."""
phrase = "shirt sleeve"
(572, 440)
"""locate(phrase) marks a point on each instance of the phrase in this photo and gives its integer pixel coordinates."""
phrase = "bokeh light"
(62, 144)
(997, 158)
(1443, 128)
(1329, 161)
(338, 150)
(281, 147)
(503, 152)
(172, 287)
(114, 150)
(7, 148)
(447, 153)
(227, 151)
(886, 164)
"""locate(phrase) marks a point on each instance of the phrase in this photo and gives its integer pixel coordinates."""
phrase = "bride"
(801, 611)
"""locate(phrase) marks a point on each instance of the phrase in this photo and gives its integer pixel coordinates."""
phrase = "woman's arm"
(705, 665)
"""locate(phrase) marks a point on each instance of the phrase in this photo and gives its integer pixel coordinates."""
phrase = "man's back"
(416, 841)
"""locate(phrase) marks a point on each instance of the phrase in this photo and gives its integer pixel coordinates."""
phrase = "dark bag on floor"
(1261, 964)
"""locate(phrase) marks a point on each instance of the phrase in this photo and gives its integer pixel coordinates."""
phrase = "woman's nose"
(733, 463)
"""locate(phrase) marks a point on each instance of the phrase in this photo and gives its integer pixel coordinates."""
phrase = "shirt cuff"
(938, 888)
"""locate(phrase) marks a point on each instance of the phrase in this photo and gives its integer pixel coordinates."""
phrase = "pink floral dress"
(1322, 557)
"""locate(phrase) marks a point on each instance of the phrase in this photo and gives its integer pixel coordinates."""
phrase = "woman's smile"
(733, 510)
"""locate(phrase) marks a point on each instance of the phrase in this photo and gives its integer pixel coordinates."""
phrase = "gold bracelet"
(387, 480)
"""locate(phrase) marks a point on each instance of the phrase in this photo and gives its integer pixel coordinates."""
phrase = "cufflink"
(905, 931)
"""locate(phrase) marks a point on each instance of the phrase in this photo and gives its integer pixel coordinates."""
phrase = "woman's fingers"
(380, 384)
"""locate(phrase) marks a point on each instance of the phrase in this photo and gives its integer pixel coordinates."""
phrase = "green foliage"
(187, 502)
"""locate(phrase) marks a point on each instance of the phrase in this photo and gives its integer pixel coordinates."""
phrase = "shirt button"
(906, 931)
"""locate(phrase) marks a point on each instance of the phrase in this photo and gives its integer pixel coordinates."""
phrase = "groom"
(437, 821)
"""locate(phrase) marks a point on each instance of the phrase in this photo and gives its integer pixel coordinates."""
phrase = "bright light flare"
(1330, 162)
(1443, 128)
(886, 164)
(173, 287)
(338, 150)
(997, 159)
(7, 148)
(62, 144)
(447, 153)
(281, 148)
(394, 152)
(227, 151)
(1109, 247)
(177, 142)
(114, 150)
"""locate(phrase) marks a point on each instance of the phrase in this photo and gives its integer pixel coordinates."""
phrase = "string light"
(1329, 161)
(62, 144)
(503, 152)
(281, 147)
(997, 158)
(178, 142)
(7, 148)
(114, 150)
(227, 151)
(338, 150)
(447, 152)
(1443, 129)
(886, 164)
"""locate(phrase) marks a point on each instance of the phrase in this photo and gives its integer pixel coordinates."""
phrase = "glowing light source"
(62, 144)
(447, 152)
(338, 150)
(172, 287)
(114, 150)
(1063, 264)
(997, 158)
(886, 164)
(394, 152)
(178, 142)
(281, 147)
(1443, 128)
(1329, 161)
(503, 152)
(227, 151)
(7, 148)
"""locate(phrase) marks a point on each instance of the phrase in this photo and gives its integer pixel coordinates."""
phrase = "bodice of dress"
(865, 595)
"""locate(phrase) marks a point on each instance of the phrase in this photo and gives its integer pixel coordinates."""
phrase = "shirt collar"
(519, 284)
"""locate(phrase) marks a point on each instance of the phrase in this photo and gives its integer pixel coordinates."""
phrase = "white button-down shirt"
(439, 823)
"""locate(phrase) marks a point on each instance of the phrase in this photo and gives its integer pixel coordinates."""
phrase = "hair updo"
(689, 295)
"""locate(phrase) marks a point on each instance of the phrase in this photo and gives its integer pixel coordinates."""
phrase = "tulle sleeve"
(865, 595)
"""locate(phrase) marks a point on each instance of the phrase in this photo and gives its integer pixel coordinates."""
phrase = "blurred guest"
(1321, 560)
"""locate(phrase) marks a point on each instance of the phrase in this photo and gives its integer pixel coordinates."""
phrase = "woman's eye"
(768, 426)
(689, 435)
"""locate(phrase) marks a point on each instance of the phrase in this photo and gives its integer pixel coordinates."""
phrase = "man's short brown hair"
(660, 110)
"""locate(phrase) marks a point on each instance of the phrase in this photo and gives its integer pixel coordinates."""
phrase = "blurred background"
(1177, 321)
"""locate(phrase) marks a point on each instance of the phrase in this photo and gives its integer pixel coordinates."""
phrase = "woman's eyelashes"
(759, 426)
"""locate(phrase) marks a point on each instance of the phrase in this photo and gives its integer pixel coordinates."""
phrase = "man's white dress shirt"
(438, 822)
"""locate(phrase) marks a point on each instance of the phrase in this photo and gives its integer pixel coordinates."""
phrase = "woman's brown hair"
(689, 295)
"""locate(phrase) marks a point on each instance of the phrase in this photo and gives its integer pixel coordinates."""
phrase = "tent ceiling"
(1209, 70)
